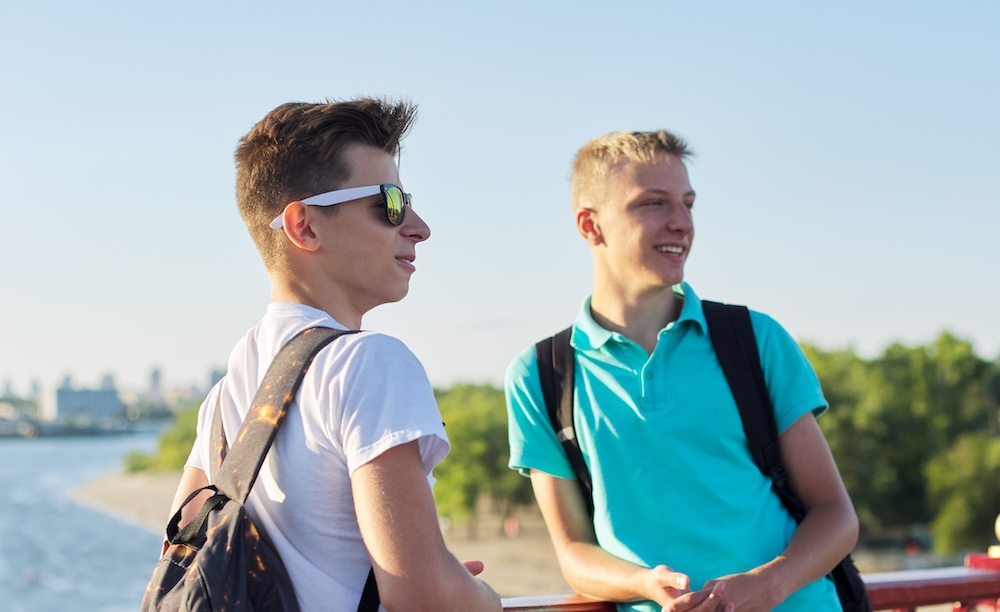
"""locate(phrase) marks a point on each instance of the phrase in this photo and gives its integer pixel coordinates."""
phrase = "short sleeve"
(533, 442)
(791, 381)
(198, 458)
(385, 400)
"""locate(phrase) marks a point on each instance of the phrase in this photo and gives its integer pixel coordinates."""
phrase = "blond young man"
(684, 519)
(346, 485)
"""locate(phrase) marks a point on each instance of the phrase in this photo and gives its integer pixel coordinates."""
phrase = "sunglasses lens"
(394, 204)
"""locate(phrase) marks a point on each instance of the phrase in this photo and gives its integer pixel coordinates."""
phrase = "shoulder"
(369, 348)
(523, 366)
(770, 335)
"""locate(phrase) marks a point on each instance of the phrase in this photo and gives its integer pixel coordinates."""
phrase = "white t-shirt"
(364, 394)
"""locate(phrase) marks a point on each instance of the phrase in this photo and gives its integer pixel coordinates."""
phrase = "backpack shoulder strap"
(735, 347)
(270, 404)
(556, 374)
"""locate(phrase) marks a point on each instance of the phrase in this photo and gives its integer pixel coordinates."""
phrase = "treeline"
(915, 431)
(916, 434)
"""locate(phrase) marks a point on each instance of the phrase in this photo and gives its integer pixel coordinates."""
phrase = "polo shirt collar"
(588, 335)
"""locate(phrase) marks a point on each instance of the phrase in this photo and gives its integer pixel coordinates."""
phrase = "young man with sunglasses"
(683, 518)
(346, 486)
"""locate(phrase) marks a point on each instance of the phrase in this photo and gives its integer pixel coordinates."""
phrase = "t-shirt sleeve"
(533, 442)
(198, 458)
(386, 401)
(791, 381)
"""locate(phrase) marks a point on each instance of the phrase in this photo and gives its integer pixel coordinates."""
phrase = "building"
(82, 406)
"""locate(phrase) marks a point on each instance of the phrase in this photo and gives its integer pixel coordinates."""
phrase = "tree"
(174, 445)
(962, 489)
(475, 419)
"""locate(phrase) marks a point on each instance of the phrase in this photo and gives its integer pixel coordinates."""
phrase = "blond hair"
(595, 160)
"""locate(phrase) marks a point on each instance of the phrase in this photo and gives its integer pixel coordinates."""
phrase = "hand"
(663, 585)
(475, 567)
(750, 591)
(708, 599)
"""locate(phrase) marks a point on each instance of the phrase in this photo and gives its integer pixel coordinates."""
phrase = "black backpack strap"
(556, 364)
(369, 597)
(736, 348)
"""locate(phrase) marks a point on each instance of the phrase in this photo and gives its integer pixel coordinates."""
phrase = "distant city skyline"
(108, 380)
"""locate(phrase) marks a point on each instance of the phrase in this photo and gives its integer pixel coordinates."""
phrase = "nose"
(414, 227)
(681, 220)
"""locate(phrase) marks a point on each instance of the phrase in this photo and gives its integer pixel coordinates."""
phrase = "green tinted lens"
(394, 204)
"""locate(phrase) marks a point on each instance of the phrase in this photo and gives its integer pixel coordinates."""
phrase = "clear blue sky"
(847, 167)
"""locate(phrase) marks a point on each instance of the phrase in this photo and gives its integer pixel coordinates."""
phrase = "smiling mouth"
(673, 250)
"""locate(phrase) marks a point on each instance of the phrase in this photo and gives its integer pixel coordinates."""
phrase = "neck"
(321, 296)
(638, 317)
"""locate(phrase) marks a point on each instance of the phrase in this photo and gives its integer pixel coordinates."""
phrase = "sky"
(846, 167)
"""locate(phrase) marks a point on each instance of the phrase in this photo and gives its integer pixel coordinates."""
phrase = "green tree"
(475, 418)
(963, 491)
(173, 448)
(894, 414)
(847, 425)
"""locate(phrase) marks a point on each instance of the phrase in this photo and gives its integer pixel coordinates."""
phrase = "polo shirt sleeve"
(533, 442)
(791, 381)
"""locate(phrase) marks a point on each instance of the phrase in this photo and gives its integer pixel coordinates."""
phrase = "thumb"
(475, 567)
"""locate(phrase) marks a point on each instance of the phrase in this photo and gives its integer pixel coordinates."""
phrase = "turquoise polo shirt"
(673, 479)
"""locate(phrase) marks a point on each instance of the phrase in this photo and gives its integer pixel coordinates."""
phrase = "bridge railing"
(976, 586)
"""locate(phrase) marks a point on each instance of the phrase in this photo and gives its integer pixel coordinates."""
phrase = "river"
(56, 554)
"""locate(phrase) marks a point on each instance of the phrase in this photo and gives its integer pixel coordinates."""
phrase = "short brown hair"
(594, 160)
(297, 150)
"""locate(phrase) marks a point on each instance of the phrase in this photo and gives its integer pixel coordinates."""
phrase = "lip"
(407, 261)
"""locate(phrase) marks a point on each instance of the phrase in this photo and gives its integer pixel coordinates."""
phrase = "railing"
(975, 586)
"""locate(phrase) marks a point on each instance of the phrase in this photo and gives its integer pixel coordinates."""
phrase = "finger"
(475, 567)
(671, 579)
(703, 600)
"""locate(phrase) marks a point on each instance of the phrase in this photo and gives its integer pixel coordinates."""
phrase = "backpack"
(222, 560)
(736, 349)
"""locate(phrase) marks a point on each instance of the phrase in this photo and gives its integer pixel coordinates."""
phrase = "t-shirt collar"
(588, 335)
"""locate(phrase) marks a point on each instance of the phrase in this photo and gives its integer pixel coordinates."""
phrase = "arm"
(826, 535)
(594, 572)
(191, 480)
(398, 521)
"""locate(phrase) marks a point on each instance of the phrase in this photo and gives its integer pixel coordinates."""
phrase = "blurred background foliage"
(915, 431)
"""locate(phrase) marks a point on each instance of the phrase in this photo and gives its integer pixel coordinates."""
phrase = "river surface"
(56, 554)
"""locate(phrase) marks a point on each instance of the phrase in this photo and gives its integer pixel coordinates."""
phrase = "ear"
(298, 227)
(589, 228)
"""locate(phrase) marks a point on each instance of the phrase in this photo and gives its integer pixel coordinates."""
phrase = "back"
(363, 395)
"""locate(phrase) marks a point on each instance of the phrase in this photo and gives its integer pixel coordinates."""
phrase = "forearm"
(827, 534)
(398, 522)
(587, 567)
(592, 571)
(443, 586)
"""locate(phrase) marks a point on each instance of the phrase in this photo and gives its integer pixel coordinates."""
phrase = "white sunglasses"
(396, 202)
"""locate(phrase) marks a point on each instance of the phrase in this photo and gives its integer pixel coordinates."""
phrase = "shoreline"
(143, 499)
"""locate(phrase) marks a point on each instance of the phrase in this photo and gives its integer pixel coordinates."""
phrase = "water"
(56, 554)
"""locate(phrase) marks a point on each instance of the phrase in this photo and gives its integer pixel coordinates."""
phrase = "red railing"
(975, 586)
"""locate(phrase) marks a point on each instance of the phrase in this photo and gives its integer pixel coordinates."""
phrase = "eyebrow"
(655, 190)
